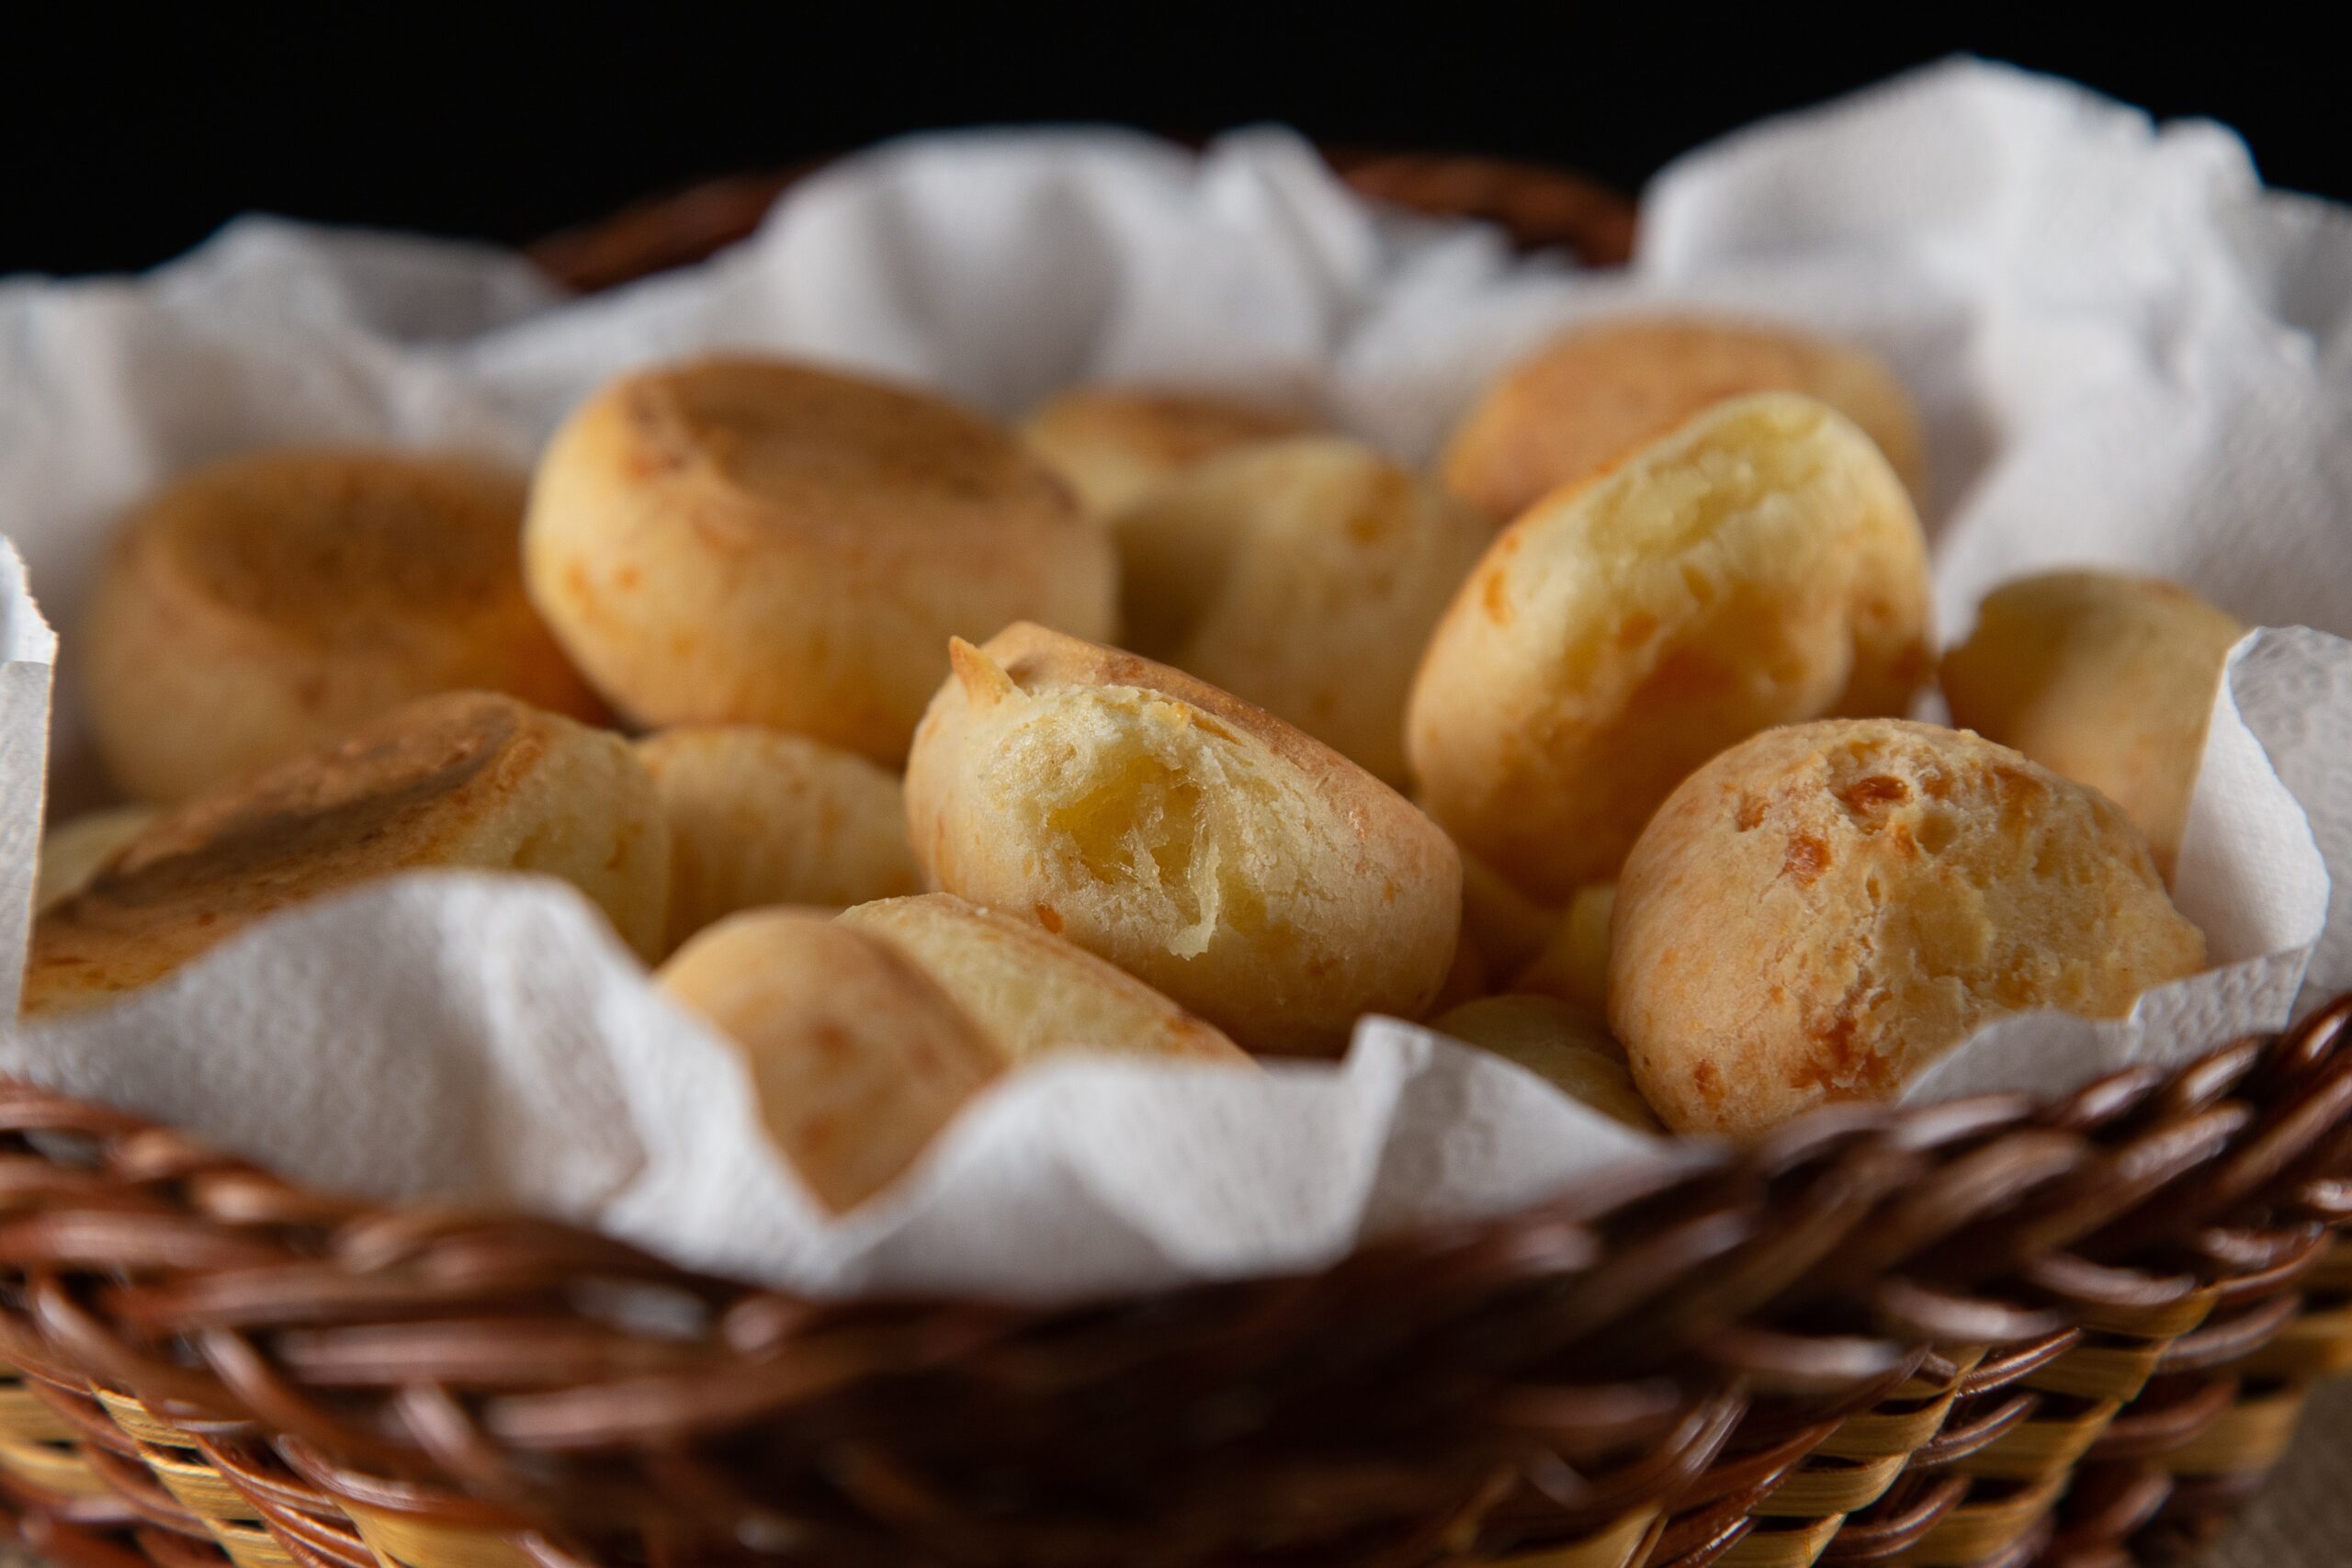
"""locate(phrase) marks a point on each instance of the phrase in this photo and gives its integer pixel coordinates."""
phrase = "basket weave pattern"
(1988, 1333)
(1980, 1332)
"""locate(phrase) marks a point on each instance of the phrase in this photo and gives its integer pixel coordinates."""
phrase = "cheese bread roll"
(1254, 876)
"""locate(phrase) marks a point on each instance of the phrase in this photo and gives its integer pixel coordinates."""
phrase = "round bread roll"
(1824, 910)
(1600, 391)
(1561, 1045)
(1759, 566)
(741, 541)
(1304, 576)
(465, 779)
(2107, 679)
(1116, 445)
(856, 1057)
(1031, 993)
(71, 852)
(759, 817)
(1249, 872)
(265, 605)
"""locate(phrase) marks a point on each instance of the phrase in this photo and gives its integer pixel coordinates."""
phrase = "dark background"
(131, 134)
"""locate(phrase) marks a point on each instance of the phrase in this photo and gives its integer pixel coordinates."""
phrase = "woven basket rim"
(1536, 205)
(1774, 1290)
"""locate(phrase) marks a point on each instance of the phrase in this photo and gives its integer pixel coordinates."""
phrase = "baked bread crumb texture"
(918, 749)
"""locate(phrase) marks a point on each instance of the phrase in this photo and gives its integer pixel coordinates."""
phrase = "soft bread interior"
(1161, 810)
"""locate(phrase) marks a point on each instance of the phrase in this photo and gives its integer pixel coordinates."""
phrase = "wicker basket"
(1986, 1333)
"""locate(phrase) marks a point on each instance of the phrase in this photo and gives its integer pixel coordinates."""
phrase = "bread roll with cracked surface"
(261, 606)
(1304, 576)
(1601, 391)
(467, 779)
(752, 541)
(1562, 1045)
(1113, 445)
(856, 1057)
(1031, 993)
(1824, 910)
(2104, 678)
(760, 818)
(1247, 872)
(73, 850)
(1759, 566)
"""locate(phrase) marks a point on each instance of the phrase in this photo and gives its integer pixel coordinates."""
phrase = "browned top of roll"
(338, 546)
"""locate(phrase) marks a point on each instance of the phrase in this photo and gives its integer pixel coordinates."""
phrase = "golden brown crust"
(1304, 576)
(262, 605)
(1029, 992)
(1601, 390)
(745, 541)
(1116, 445)
(2104, 678)
(1241, 868)
(761, 817)
(1823, 910)
(465, 779)
(1761, 565)
(857, 1059)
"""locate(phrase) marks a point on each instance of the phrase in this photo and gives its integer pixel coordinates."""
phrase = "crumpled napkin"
(2126, 351)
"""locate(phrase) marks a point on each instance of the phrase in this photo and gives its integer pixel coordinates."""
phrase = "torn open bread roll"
(1251, 873)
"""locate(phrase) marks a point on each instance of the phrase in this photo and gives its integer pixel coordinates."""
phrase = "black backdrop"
(126, 136)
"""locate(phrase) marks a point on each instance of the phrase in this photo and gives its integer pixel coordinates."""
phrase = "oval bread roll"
(466, 779)
(758, 817)
(1304, 576)
(1759, 566)
(1029, 992)
(1824, 910)
(743, 541)
(856, 1057)
(265, 605)
(71, 852)
(1113, 445)
(2107, 679)
(1559, 1043)
(1600, 391)
(1247, 872)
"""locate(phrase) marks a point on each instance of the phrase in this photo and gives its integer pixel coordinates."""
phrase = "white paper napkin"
(2126, 351)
